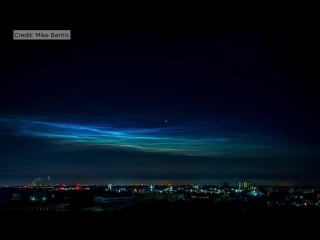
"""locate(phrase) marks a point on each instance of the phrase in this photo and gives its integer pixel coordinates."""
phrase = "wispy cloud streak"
(182, 140)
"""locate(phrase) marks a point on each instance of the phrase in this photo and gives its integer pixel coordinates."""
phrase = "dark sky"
(238, 102)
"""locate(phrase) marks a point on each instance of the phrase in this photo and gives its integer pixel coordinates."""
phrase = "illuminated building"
(245, 185)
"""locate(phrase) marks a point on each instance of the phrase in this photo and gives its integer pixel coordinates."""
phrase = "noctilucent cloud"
(235, 103)
(182, 140)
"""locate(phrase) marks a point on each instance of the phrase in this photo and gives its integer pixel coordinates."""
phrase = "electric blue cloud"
(182, 140)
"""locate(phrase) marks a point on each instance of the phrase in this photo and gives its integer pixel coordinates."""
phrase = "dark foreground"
(148, 221)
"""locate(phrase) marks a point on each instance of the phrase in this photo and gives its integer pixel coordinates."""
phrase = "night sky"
(238, 102)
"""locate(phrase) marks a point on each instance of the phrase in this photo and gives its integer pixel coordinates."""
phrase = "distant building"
(61, 207)
(171, 197)
(111, 203)
(245, 185)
